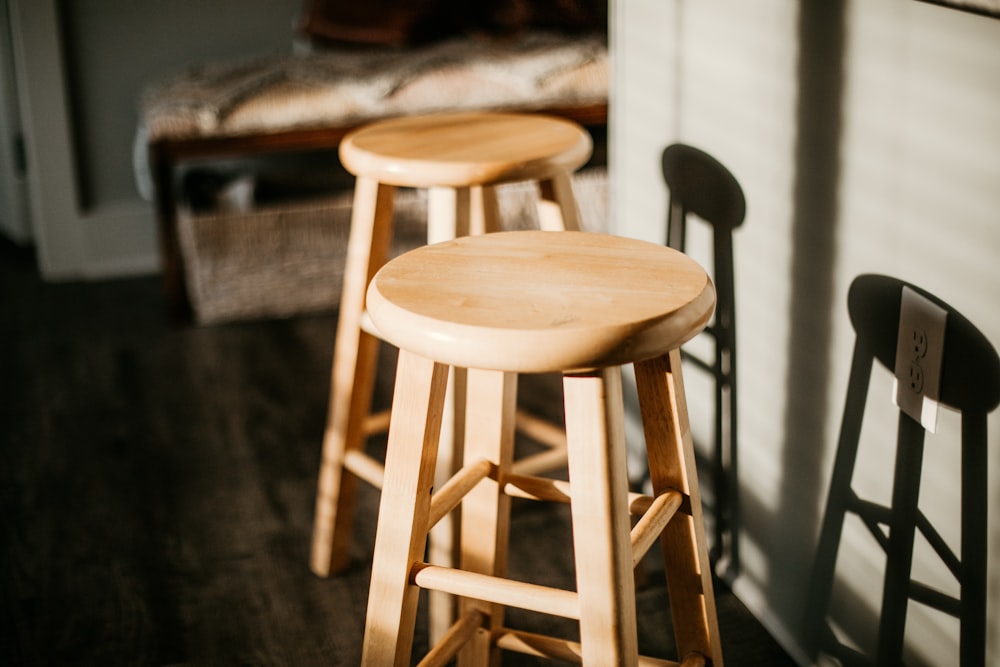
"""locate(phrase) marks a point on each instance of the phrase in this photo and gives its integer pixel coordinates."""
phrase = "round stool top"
(465, 149)
(535, 301)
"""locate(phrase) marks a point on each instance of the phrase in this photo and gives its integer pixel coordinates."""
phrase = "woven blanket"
(349, 86)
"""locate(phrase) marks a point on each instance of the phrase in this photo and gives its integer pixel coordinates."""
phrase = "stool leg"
(672, 465)
(595, 434)
(444, 545)
(492, 402)
(401, 535)
(352, 377)
(557, 209)
(449, 215)
(484, 215)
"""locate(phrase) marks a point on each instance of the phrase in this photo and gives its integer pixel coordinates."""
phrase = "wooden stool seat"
(531, 312)
(465, 149)
(534, 301)
(460, 158)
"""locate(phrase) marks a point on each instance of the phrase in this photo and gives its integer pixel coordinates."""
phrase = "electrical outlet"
(919, 349)
(916, 378)
(919, 344)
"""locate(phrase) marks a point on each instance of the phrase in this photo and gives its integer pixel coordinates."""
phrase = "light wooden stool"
(460, 158)
(580, 304)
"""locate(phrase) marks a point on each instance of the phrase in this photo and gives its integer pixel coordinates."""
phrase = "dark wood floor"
(156, 491)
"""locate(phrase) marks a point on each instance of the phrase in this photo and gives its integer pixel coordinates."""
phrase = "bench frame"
(166, 154)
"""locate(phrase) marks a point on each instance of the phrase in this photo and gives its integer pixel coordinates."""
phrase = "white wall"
(81, 66)
(881, 154)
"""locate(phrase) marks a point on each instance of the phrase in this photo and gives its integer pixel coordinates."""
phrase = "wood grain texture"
(403, 520)
(672, 467)
(599, 487)
(352, 379)
(157, 486)
(536, 301)
(460, 158)
(464, 149)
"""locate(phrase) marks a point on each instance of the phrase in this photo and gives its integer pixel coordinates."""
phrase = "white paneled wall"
(915, 193)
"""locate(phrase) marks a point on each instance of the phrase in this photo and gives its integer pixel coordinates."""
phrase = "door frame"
(72, 242)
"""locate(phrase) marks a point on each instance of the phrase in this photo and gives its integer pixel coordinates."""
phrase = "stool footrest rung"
(537, 488)
(550, 459)
(377, 422)
(533, 597)
(451, 493)
(541, 430)
(365, 467)
(654, 520)
(555, 648)
(457, 635)
(558, 491)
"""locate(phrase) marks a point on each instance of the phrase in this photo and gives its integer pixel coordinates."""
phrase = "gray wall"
(115, 47)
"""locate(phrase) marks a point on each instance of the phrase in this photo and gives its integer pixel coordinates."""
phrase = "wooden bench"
(309, 101)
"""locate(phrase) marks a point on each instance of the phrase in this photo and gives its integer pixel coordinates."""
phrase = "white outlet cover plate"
(919, 349)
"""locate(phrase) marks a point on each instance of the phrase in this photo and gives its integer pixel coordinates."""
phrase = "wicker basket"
(286, 261)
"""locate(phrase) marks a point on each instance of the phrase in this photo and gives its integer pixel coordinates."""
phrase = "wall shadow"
(813, 304)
